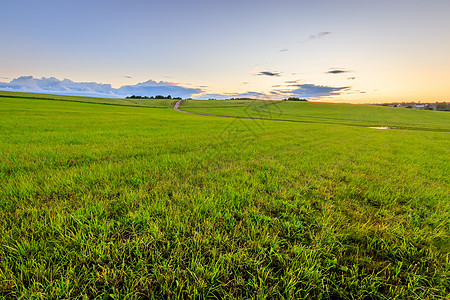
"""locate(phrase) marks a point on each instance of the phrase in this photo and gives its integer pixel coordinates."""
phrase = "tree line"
(153, 97)
(295, 99)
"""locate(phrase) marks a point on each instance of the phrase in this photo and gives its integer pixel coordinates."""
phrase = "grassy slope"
(326, 113)
(160, 103)
(141, 202)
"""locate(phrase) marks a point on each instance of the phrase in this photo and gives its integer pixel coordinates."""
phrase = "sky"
(352, 51)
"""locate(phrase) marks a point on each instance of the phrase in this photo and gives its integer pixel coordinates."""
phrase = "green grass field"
(326, 113)
(130, 202)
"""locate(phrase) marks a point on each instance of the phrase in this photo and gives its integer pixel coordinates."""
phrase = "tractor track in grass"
(180, 102)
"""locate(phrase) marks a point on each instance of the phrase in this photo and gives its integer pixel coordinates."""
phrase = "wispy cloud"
(269, 73)
(316, 36)
(128, 77)
(68, 87)
(251, 95)
(292, 82)
(319, 35)
(284, 50)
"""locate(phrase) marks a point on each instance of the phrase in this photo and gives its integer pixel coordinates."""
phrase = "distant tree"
(138, 97)
(151, 97)
(442, 106)
(295, 99)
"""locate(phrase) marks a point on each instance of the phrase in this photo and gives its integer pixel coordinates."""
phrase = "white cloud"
(250, 95)
(68, 87)
(152, 88)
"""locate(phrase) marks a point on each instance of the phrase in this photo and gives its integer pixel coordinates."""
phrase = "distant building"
(440, 106)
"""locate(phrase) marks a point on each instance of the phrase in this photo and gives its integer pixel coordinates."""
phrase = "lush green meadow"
(147, 202)
(155, 103)
(326, 113)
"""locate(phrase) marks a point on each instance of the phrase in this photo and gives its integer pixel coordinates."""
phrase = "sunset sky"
(342, 51)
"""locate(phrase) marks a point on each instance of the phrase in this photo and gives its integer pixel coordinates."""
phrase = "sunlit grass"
(136, 202)
(326, 113)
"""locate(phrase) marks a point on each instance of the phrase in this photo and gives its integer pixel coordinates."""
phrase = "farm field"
(325, 113)
(155, 103)
(134, 200)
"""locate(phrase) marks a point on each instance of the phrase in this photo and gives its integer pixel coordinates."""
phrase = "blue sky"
(342, 51)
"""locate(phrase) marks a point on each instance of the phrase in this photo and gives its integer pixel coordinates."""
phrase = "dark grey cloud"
(268, 73)
(126, 76)
(283, 50)
(68, 87)
(308, 91)
(337, 71)
(316, 91)
(319, 35)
